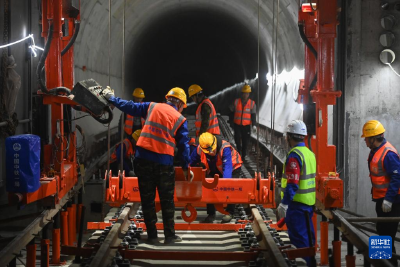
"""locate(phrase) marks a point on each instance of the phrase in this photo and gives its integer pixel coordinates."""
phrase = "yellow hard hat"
(178, 93)
(208, 142)
(246, 89)
(194, 89)
(372, 128)
(138, 92)
(136, 134)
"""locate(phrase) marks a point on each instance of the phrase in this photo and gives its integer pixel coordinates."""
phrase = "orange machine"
(200, 191)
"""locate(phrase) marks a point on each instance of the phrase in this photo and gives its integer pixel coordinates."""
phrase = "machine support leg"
(45, 248)
(70, 224)
(80, 204)
(56, 240)
(64, 228)
(81, 227)
(336, 244)
(350, 257)
(324, 241)
(31, 254)
(74, 208)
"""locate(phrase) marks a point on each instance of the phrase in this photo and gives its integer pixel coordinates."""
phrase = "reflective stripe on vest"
(133, 123)
(236, 158)
(379, 178)
(128, 153)
(306, 192)
(242, 114)
(158, 133)
(213, 126)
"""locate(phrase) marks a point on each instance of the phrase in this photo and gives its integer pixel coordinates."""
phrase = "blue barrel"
(23, 163)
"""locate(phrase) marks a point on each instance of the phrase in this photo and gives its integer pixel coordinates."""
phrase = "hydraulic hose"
(72, 41)
(313, 51)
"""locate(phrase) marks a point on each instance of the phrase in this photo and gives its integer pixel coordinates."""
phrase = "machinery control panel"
(88, 93)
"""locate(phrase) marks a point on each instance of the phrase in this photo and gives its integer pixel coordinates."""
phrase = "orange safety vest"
(213, 126)
(128, 153)
(158, 133)
(379, 178)
(132, 122)
(236, 158)
(243, 114)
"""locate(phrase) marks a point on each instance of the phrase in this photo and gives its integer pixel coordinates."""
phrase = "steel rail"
(275, 257)
(107, 250)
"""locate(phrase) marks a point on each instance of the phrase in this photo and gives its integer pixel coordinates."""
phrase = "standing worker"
(164, 129)
(244, 110)
(220, 158)
(206, 117)
(298, 187)
(128, 146)
(133, 123)
(384, 168)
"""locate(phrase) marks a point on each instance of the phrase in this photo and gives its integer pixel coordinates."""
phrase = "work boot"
(227, 218)
(153, 241)
(210, 218)
(172, 239)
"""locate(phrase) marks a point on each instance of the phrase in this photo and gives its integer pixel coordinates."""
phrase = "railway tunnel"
(220, 45)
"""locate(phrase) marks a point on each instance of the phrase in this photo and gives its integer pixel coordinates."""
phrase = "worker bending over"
(128, 148)
(220, 158)
(298, 187)
(133, 123)
(384, 168)
(206, 117)
(244, 114)
(164, 129)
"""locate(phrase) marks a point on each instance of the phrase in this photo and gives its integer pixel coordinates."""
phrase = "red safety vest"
(213, 126)
(236, 158)
(379, 178)
(133, 123)
(128, 153)
(158, 133)
(243, 114)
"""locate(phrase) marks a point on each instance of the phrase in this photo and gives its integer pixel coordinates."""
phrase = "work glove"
(255, 129)
(107, 93)
(282, 208)
(185, 174)
(386, 206)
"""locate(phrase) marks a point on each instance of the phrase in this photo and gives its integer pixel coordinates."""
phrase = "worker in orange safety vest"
(384, 171)
(129, 145)
(133, 123)
(218, 157)
(206, 116)
(244, 115)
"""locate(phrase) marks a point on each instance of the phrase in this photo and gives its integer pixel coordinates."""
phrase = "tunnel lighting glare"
(33, 51)
(32, 47)
(257, 75)
(301, 107)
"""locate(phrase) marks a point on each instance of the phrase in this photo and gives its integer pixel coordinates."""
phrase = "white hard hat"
(297, 127)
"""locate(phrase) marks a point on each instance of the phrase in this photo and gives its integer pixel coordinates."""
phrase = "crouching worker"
(128, 148)
(220, 158)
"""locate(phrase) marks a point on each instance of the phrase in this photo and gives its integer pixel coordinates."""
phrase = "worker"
(164, 129)
(384, 168)
(244, 115)
(134, 123)
(219, 157)
(129, 145)
(206, 117)
(192, 144)
(298, 187)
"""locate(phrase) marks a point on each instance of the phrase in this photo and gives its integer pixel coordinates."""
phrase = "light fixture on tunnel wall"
(388, 21)
(387, 39)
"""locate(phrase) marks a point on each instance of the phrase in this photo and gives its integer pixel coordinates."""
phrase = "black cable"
(72, 41)
(42, 59)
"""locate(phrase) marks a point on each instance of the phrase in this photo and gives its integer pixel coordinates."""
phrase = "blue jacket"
(212, 163)
(181, 138)
(291, 188)
(391, 163)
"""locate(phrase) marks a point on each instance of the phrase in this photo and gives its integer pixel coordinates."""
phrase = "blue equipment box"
(23, 163)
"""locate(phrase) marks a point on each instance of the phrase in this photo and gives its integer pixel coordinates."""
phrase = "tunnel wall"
(372, 92)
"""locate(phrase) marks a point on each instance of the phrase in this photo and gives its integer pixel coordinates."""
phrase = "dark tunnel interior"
(194, 45)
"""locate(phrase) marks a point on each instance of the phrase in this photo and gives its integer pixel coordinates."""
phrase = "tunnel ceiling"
(213, 43)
